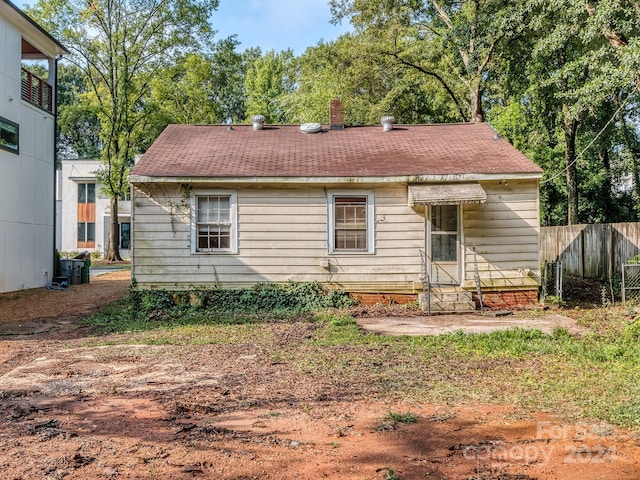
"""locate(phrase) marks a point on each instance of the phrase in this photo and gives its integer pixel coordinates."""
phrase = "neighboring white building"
(27, 152)
(84, 211)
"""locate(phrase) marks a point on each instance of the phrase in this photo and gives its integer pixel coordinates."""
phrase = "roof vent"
(310, 128)
(387, 123)
(258, 121)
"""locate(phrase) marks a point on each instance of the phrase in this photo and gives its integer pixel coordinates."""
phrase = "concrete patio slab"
(467, 323)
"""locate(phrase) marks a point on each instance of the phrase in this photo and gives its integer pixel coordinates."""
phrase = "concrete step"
(451, 296)
(453, 300)
(451, 307)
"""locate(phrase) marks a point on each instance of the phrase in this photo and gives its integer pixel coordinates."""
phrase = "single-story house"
(386, 213)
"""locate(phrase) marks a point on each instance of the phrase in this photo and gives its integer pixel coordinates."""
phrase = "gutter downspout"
(55, 160)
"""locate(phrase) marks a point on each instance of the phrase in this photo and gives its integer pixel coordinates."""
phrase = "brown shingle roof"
(282, 151)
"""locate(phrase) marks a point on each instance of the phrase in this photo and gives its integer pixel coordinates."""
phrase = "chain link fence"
(630, 282)
(552, 279)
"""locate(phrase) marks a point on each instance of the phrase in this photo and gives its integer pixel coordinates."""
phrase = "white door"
(443, 244)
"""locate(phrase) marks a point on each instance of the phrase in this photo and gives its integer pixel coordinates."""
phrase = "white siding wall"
(505, 232)
(26, 180)
(74, 172)
(282, 235)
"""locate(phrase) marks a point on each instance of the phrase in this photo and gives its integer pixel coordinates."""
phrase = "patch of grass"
(627, 413)
(389, 474)
(591, 376)
(272, 414)
(393, 419)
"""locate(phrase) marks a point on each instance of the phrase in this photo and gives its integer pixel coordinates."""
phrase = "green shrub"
(150, 300)
(262, 297)
(632, 331)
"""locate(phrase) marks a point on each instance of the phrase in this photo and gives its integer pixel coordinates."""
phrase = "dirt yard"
(73, 410)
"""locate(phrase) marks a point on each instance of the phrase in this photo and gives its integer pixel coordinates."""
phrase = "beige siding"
(282, 235)
(505, 235)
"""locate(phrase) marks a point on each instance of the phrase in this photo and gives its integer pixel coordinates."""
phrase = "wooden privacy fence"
(593, 251)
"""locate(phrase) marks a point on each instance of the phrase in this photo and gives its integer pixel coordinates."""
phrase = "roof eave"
(462, 177)
(38, 35)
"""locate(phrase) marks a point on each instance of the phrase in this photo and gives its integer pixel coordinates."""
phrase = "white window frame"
(233, 217)
(331, 203)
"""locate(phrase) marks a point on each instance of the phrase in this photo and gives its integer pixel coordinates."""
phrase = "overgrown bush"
(262, 297)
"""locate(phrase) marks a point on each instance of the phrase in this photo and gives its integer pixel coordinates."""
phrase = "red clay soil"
(129, 411)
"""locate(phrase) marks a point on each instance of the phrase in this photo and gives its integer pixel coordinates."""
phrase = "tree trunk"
(570, 128)
(113, 252)
(475, 97)
(607, 200)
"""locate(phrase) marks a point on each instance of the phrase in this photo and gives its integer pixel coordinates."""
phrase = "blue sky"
(276, 24)
(271, 24)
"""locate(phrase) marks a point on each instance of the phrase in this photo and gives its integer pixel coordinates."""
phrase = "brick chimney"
(336, 115)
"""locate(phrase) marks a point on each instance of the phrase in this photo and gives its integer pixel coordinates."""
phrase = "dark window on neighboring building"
(86, 232)
(9, 135)
(125, 235)
(86, 193)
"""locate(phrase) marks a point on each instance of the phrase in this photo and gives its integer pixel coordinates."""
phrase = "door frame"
(458, 269)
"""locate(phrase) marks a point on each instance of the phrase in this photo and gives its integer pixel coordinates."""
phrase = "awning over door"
(446, 194)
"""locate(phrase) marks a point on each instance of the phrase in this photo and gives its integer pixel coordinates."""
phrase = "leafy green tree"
(453, 42)
(369, 85)
(268, 79)
(565, 95)
(229, 75)
(78, 122)
(183, 92)
(631, 151)
(619, 22)
(337, 69)
(120, 46)
(204, 88)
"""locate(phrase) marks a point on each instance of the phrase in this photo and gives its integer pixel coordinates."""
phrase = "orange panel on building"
(86, 212)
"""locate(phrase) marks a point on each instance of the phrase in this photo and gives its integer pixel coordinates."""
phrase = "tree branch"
(435, 75)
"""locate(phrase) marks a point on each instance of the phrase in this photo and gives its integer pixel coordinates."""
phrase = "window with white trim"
(351, 220)
(213, 222)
